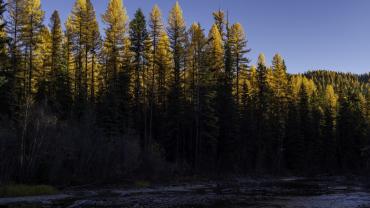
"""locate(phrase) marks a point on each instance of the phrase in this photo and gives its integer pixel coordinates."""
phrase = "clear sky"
(309, 34)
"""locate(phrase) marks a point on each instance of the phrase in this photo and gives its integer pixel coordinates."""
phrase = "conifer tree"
(177, 34)
(68, 52)
(247, 122)
(78, 38)
(279, 107)
(6, 73)
(202, 88)
(328, 129)
(305, 113)
(164, 66)
(16, 79)
(221, 23)
(164, 61)
(92, 49)
(294, 143)
(138, 36)
(238, 47)
(57, 44)
(32, 18)
(43, 76)
(156, 30)
(207, 123)
(60, 81)
(280, 82)
(222, 84)
(216, 51)
(116, 32)
(113, 107)
(351, 135)
(263, 107)
(3, 38)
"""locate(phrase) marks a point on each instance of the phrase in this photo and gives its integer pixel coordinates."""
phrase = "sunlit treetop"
(176, 19)
(116, 16)
(262, 59)
(331, 97)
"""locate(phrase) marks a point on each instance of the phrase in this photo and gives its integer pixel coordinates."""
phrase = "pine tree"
(116, 31)
(204, 119)
(79, 39)
(32, 18)
(221, 23)
(113, 106)
(177, 34)
(93, 44)
(247, 122)
(68, 52)
(294, 142)
(207, 125)
(60, 80)
(156, 27)
(328, 129)
(305, 115)
(164, 61)
(3, 38)
(16, 79)
(280, 82)
(6, 74)
(43, 76)
(218, 85)
(156, 30)
(238, 47)
(138, 36)
(263, 101)
(351, 135)
(57, 44)
(279, 107)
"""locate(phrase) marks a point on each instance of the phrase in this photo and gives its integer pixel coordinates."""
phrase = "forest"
(151, 98)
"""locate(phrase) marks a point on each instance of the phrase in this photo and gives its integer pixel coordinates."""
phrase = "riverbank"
(323, 192)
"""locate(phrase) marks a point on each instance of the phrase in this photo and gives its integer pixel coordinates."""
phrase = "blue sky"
(309, 34)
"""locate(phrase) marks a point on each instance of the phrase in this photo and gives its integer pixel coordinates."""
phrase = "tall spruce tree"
(138, 36)
(60, 81)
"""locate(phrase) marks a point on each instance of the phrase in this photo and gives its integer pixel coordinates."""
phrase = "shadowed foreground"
(273, 193)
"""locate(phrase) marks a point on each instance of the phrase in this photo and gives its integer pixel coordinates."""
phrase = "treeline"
(152, 99)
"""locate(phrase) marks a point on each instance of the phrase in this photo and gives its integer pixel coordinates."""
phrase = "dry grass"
(26, 190)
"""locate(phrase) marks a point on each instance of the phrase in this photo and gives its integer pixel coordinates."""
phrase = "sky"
(309, 34)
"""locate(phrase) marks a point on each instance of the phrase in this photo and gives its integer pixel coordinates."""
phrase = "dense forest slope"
(154, 99)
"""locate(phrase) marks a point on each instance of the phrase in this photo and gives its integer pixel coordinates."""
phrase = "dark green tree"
(138, 36)
(60, 82)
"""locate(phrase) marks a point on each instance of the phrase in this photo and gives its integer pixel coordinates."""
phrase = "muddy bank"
(240, 192)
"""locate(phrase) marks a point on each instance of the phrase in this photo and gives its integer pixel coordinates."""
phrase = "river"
(335, 192)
